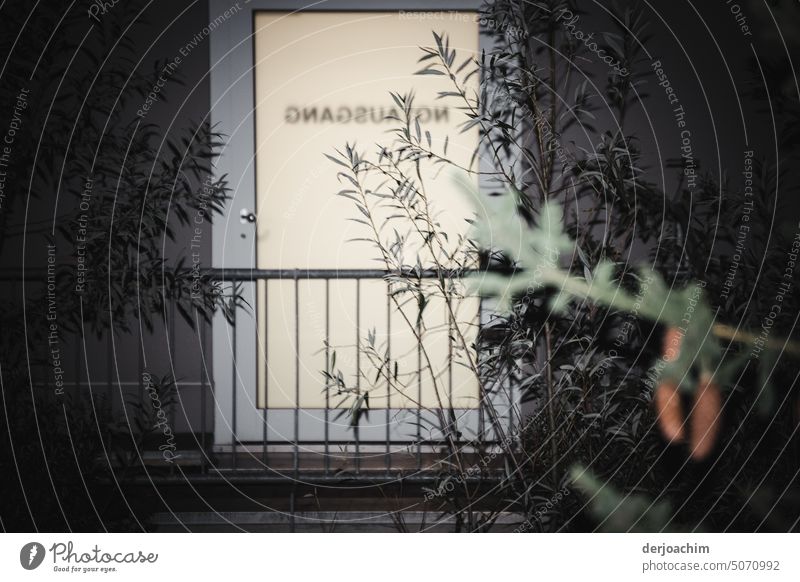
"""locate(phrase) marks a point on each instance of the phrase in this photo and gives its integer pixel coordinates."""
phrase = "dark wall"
(75, 85)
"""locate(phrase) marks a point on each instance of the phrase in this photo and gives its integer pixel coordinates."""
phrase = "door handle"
(246, 215)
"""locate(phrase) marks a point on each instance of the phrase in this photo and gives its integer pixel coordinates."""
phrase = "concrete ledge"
(316, 522)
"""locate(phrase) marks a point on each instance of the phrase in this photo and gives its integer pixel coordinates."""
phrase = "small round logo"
(31, 555)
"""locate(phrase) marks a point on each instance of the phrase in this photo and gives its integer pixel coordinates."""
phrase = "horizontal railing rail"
(239, 274)
(245, 274)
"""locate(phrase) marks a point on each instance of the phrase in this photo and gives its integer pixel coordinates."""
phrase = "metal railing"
(329, 457)
(265, 457)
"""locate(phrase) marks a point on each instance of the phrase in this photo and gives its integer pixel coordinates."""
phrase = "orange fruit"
(672, 344)
(667, 400)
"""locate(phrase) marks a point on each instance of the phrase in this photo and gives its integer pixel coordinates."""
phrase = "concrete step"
(322, 522)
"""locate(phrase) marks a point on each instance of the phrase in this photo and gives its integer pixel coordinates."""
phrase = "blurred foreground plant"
(693, 359)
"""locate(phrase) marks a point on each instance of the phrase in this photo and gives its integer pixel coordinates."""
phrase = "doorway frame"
(237, 419)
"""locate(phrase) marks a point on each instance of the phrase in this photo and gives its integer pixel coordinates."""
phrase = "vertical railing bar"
(173, 355)
(388, 372)
(327, 459)
(511, 408)
(419, 392)
(109, 388)
(358, 372)
(481, 403)
(172, 352)
(140, 367)
(264, 414)
(203, 411)
(234, 379)
(78, 352)
(296, 459)
(450, 332)
(264, 456)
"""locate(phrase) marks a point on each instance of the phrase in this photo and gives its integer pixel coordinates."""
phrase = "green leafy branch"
(536, 252)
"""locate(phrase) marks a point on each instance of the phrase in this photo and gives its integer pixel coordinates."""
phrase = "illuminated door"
(323, 79)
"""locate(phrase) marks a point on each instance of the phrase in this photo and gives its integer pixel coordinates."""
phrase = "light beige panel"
(456, 384)
(312, 343)
(404, 350)
(373, 318)
(261, 336)
(339, 61)
(436, 341)
(281, 347)
(465, 389)
(452, 384)
(343, 331)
